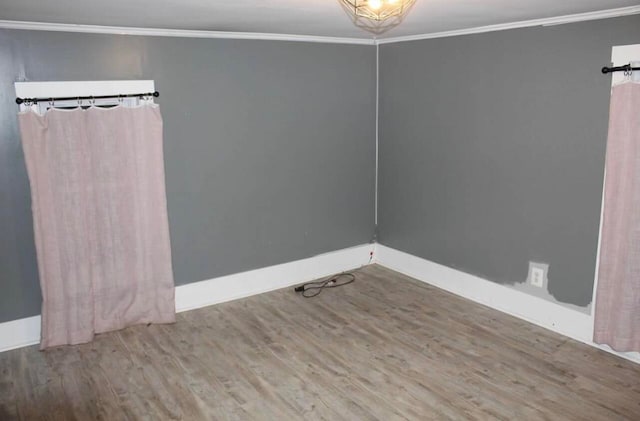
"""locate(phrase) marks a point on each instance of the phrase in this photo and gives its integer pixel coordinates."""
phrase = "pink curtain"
(617, 313)
(100, 220)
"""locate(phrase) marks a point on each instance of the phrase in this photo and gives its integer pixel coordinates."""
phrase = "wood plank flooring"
(385, 347)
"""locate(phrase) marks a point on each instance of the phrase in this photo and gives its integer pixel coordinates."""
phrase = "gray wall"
(492, 150)
(269, 147)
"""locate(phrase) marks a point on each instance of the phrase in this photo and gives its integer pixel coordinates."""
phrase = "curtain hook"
(92, 100)
(52, 103)
(120, 99)
(79, 102)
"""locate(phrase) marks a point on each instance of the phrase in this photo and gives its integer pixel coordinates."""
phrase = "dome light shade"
(377, 16)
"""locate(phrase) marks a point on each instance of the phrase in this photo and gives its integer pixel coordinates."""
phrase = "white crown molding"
(183, 33)
(187, 33)
(558, 20)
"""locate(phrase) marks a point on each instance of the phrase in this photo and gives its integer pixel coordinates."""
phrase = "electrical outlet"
(537, 277)
(538, 274)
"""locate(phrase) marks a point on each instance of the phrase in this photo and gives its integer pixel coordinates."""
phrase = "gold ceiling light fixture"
(377, 16)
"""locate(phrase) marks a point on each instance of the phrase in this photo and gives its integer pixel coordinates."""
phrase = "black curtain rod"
(625, 68)
(19, 101)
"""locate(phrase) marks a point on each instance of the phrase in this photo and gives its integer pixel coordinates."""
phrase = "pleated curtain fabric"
(100, 220)
(617, 311)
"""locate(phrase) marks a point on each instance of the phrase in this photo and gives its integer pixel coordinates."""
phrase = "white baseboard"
(25, 332)
(19, 333)
(568, 322)
(240, 285)
(549, 315)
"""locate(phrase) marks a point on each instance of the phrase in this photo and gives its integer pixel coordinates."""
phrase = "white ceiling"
(299, 17)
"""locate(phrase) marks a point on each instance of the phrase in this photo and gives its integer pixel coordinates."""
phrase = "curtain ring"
(92, 100)
(120, 99)
(79, 102)
(52, 103)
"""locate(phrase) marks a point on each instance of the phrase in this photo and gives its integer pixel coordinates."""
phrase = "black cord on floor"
(316, 287)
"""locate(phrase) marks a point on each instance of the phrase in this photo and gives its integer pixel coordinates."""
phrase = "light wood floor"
(385, 347)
